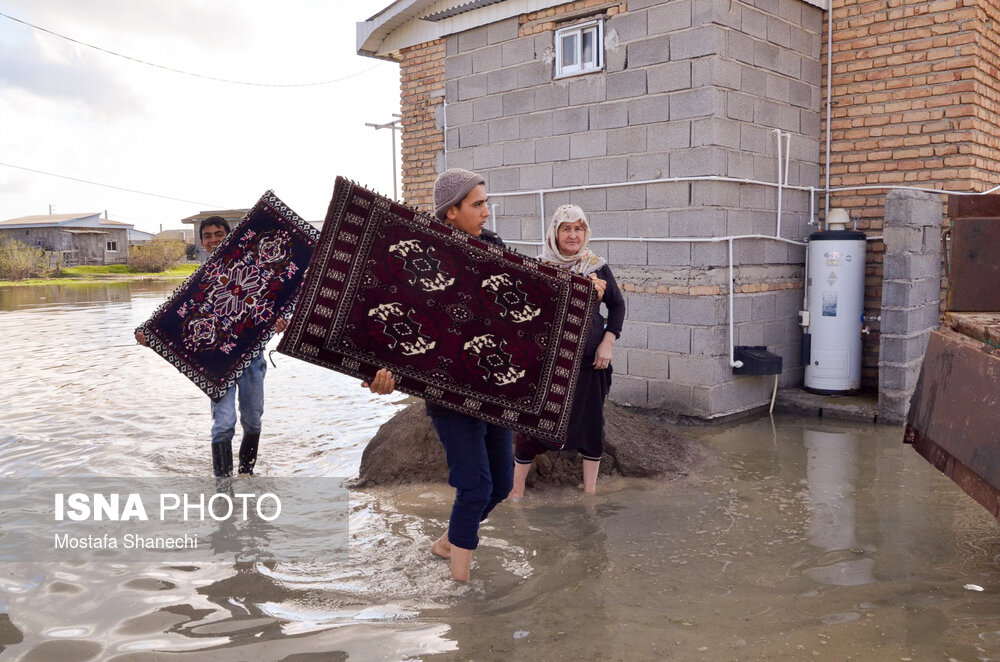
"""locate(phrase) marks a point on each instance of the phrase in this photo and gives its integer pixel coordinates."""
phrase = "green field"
(104, 272)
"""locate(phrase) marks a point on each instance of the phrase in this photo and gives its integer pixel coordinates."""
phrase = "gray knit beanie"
(451, 187)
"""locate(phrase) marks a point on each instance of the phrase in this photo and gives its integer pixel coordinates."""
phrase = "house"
(139, 237)
(182, 234)
(695, 134)
(72, 239)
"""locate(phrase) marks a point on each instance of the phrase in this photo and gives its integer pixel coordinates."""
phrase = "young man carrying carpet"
(479, 454)
(250, 385)
(249, 388)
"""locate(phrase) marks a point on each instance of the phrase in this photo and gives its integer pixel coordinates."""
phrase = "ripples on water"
(797, 540)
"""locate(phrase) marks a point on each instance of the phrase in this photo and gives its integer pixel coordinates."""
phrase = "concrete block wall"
(690, 88)
(910, 295)
(675, 355)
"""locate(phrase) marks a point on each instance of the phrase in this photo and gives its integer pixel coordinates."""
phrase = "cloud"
(61, 72)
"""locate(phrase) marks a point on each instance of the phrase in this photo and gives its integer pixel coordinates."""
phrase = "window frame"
(581, 67)
(111, 246)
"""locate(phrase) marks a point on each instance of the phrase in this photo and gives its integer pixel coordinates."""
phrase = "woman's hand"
(140, 338)
(602, 358)
(383, 384)
(280, 325)
(599, 285)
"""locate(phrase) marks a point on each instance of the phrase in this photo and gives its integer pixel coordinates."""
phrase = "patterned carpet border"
(222, 316)
(460, 322)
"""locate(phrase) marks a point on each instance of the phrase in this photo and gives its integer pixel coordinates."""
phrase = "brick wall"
(914, 103)
(421, 79)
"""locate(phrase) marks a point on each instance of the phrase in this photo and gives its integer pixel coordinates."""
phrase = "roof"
(228, 214)
(64, 221)
(108, 221)
(45, 220)
(371, 33)
(410, 22)
(406, 23)
(374, 33)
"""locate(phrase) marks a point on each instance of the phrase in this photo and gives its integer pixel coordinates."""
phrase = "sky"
(72, 110)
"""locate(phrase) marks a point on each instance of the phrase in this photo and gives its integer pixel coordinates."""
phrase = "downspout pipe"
(829, 92)
(732, 320)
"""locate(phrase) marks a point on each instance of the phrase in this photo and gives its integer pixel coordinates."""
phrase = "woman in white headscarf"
(566, 247)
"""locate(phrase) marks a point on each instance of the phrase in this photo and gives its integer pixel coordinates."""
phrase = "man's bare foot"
(461, 562)
(442, 547)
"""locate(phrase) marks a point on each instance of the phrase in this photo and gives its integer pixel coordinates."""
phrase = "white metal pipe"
(716, 178)
(663, 180)
(777, 225)
(681, 240)
(541, 214)
(788, 154)
(805, 283)
(444, 129)
(876, 187)
(732, 322)
(774, 395)
(829, 92)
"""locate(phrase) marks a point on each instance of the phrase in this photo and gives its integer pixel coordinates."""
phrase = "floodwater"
(792, 539)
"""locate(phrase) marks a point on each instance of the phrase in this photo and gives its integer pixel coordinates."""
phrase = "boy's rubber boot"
(222, 459)
(248, 452)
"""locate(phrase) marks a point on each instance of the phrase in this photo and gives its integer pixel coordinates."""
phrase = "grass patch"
(99, 272)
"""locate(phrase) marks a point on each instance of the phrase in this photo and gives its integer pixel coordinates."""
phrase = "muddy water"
(793, 539)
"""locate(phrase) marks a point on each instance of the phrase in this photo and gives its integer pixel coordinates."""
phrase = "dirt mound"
(406, 450)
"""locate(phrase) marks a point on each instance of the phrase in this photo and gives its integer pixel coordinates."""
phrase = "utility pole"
(394, 126)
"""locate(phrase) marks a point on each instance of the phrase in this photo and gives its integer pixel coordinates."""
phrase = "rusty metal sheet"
(975, 265)
(973, 206)
(971, 483)
(954, 417)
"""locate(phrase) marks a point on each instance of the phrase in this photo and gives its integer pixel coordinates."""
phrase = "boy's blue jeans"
(480, 468)
(250, 390)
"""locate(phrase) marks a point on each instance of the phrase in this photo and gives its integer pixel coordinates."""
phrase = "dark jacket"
(615, 303)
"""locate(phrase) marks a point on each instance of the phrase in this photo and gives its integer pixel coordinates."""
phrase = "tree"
(19, 261)
(158, 255)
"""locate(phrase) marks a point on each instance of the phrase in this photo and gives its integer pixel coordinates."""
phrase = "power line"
(180, 71)
(118, 188)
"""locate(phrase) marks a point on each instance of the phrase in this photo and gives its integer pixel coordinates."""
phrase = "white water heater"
(835, 282)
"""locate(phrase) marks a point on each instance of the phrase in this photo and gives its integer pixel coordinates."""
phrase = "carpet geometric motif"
(460, 322)
(222, 316)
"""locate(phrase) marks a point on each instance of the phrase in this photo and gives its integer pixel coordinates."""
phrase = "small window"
(580, 49)
(113, 246)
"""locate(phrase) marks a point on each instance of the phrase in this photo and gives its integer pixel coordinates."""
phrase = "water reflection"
(831, 473)
(56, 297)
(797, 539)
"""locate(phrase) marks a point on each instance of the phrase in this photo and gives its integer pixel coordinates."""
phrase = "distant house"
(72, 239)
(183, 234)
(139, 237)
